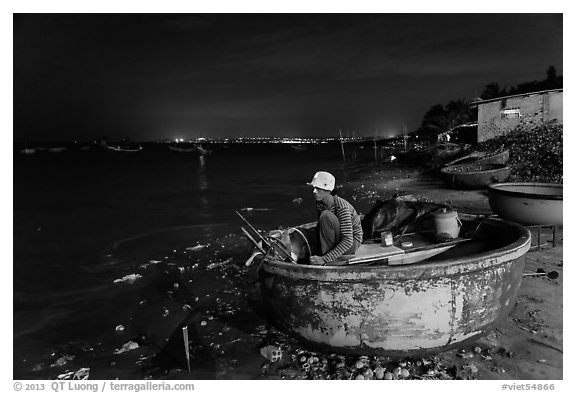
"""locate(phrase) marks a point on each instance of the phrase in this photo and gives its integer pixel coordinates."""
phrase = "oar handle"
(253, 241)
(264, 241)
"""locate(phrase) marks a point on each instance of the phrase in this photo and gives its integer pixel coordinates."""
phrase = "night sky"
(156, 76)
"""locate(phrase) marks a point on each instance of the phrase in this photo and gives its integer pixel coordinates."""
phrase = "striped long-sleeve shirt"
(350, 226)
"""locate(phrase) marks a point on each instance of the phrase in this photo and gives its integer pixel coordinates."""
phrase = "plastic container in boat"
(447, 224)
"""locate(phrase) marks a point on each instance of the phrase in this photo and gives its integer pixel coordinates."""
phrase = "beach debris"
(471, 368)
(186, 345)
(203, 323)
(368, 374)
(129, 346)
(297, 201)
(37, 367)
(197, 247)
(130, 278)
(120, 328)
(271, 353)
(62, 360)
(254, 255)
(215, 265)
(291, 372)
(81, 374)
(478, 350)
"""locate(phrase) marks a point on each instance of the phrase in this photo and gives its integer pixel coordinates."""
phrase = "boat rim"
(448, 267)
(494, 167)
(498, 189)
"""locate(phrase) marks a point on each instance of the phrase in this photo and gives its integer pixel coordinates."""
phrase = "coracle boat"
(528, 203)
(427, 305)
(447, 150)
(474, 176)
(498, 157)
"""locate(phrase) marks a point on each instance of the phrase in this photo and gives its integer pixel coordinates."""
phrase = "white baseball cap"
(323, 180)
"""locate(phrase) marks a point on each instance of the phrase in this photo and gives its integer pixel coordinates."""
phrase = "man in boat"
(339, 229)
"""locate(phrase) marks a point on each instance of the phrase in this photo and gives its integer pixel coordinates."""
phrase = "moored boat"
(183, 148)
(475, 176)
(28, 150)
(498, 157)
(439, 303)
(528, 203)
(446, 150)
(298, 147)
(125, 149)
(202, 151)
(57, 149)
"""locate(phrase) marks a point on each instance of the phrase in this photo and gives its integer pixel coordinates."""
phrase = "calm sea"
(85, 219)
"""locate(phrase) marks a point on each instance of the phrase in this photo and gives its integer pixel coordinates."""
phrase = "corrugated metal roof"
(479, 102)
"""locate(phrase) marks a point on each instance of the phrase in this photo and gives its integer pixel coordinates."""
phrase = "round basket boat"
(475, 176)
(528, 203)
(444, 302)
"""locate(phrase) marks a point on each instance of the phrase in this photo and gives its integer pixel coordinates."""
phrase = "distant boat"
(28, 150)
(58, 149)
(182, 148)
(126, 148)
(299, 147)
(202, 151)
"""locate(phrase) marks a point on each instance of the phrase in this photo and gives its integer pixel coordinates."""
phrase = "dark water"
(83, 219)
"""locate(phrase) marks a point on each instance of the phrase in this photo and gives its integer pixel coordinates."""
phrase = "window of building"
(510, 113)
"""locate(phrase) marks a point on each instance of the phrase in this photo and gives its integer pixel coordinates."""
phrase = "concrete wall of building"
(556, 107)
(499, 117)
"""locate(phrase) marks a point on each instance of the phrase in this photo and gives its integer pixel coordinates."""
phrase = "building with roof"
(499, 116)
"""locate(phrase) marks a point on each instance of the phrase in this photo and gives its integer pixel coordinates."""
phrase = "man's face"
(320, 194)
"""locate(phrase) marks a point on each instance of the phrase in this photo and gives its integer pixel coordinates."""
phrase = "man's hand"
(316, 260)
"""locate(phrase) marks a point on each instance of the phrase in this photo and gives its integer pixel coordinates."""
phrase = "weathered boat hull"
(399, 310)
(528, 203)
(475, 158)
(475, 176)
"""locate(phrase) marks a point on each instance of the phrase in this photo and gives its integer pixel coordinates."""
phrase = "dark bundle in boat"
(395, 215)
